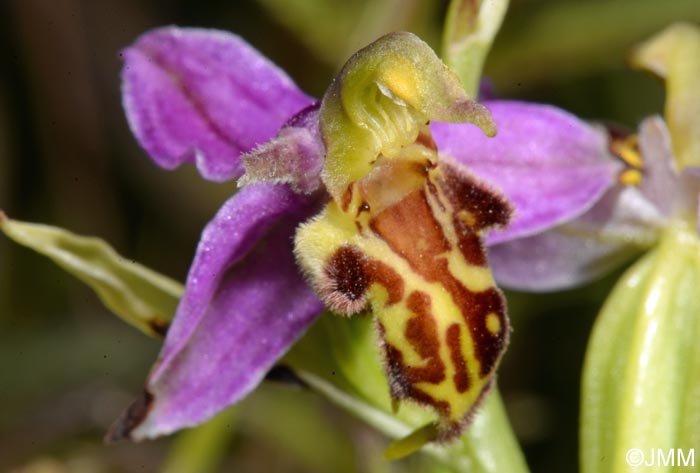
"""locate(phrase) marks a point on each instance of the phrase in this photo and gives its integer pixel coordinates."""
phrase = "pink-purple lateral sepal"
(618, 227)
(623, 222)
(549, 164)
(244, 305)
(204, 96)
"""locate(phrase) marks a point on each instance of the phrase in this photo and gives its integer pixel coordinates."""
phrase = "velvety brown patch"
(422, 334)
(352, 273)
(346, 268)
(464, 192)
(454, 343)
(130, 419)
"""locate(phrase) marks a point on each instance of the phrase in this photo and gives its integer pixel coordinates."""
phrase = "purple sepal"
(550, 165)
(244, 305)
(204, 96)
(621, 225)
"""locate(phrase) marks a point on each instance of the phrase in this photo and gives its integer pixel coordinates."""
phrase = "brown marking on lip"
(131, 418)
(402, 387)
(404, 223)
(346, 198)
(461, 377)
(433, 190)
(489, 346)
(400, 226)
(352, 272)
(469, 243)
(464, 192)
(346, 268)
(422, 333)
(383, 274)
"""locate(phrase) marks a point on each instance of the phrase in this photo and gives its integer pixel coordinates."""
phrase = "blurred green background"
(67, 367)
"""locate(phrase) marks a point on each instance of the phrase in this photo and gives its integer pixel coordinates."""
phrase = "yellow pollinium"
(627, 150)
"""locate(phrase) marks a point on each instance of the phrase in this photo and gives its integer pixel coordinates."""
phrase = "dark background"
(67, 158)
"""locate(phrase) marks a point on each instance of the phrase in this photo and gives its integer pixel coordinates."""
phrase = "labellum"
(402, 234)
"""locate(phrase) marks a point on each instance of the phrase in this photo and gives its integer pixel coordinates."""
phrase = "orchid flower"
(656, 185)
(375, 197)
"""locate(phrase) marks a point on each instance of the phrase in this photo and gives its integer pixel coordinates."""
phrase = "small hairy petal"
(203, 96)
(622, 224)
(550, 164)
(244, 305)
(294, 156)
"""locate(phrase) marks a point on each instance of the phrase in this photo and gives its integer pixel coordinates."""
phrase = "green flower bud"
(674, 55)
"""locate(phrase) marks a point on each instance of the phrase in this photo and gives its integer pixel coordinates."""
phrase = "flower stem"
(490, 442)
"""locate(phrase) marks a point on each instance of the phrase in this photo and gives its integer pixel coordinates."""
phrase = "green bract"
(641, 381)
(142, 297)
